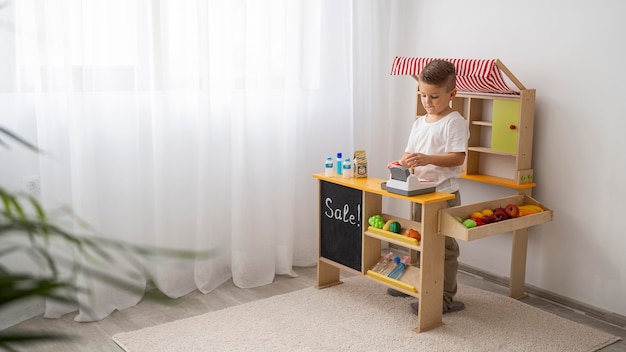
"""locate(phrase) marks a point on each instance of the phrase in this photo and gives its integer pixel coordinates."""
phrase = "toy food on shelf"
(529, 209)
(376, 221)
(392, 226)
(413, 233)
(509, 211)
(469, 223)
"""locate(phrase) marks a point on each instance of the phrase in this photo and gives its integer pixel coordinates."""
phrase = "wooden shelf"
(488, 150)
(424, 282)
(408, 283)
(499, 181)
(505, 123)
(449, 226)
(394, 238)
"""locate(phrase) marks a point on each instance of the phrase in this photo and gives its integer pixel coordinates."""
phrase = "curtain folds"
(187, 125)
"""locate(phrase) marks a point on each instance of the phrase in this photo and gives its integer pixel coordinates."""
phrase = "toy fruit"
(500, 214)
(488, 219)
(376, 221)
(487, 212)
(528, 209)
(479, 221)
(476, 214)
(469, 223)
(413, 233)
(387, 224)
(458, 218)
(523, 212)
(511, 210)
(395, 227)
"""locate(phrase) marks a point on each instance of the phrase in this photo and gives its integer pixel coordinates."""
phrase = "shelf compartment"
(408, 283)
(395, 238)
(489, 151)
(449, 226)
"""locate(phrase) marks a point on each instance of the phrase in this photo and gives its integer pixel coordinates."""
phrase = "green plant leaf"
(91, 255)
(18, 139)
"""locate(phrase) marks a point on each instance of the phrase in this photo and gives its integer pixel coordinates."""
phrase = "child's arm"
(443, 160)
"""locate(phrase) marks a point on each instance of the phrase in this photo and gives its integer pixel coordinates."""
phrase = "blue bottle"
(339, 164)
(399, 269)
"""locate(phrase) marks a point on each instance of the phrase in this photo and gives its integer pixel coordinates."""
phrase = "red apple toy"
(512, 210)
(500, 214)
(488, 219)
(479, 221)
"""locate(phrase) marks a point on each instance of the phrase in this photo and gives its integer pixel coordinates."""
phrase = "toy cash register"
(401, 181)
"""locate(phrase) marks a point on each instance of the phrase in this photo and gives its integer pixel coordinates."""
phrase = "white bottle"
(330, 171)
(382, 263)
(347, 168)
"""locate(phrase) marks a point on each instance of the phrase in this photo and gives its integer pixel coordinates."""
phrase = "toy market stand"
(347, 242)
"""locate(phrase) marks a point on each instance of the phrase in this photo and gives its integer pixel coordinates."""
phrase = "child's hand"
(417, 159)
(394, 163)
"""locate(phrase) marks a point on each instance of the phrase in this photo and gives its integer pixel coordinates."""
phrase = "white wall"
(573, 54)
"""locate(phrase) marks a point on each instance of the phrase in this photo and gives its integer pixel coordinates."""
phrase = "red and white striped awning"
(472, 75)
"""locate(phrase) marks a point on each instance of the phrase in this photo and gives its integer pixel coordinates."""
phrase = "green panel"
(503, 138)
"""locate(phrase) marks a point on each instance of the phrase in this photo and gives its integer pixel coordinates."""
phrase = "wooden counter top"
(372, 185)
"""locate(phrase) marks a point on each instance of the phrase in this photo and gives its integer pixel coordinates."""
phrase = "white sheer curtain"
(187, 124)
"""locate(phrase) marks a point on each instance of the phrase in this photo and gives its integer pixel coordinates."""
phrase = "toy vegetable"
(395, 227)
(413, 233)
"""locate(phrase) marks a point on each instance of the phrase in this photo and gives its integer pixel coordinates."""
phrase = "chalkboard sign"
(341, 224)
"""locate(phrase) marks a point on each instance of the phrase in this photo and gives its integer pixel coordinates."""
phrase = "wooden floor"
(96, 336)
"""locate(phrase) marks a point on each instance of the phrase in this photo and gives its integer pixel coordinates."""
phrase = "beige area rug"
(358, 315)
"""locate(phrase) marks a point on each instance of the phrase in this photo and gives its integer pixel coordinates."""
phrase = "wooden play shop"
(499, 152)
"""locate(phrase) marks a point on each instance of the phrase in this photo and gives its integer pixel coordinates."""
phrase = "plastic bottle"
(390, 267)
(383, 263)
(339, 164)
(329, 167)
(399, 269)
(347, 168)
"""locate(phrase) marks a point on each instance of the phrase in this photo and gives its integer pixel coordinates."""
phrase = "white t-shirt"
(448, 135)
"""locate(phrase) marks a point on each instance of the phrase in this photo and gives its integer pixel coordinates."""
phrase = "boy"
(436, 152)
